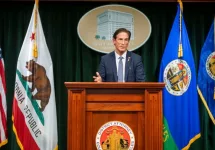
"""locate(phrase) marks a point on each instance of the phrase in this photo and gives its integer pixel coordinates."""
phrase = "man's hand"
(97, 78)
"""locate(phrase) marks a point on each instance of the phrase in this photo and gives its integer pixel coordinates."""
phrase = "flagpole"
(180, 49)
(35, 51)
(37, 3)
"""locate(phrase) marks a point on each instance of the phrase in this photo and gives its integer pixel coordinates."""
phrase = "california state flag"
(34, 109)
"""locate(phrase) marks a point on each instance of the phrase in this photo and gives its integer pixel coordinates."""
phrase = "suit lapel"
(127, 64)
(113, 63)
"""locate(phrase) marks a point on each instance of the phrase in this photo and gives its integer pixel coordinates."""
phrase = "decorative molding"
(202, 1)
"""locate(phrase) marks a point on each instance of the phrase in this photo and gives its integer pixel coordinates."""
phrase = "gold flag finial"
(37, 3)
(181, 5)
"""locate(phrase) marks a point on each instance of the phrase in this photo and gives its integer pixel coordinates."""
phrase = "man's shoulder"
(109, 55)
(134, 55)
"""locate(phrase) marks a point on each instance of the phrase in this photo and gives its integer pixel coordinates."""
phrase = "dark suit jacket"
(134, 71)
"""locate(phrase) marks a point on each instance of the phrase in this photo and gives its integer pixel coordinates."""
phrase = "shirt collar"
(123, 55)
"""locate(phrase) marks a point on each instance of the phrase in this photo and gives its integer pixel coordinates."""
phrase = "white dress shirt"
(123, 62)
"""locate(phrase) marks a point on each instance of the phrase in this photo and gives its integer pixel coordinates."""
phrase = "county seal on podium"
(115, 135)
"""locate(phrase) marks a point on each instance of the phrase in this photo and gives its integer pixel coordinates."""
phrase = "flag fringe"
(191, 141)
(3, 143)
(56, 148)
(17, 138)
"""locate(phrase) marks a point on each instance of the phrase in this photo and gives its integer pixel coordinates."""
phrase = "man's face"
(121, 42)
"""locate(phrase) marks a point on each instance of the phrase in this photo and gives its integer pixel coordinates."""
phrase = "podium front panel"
(91, 105)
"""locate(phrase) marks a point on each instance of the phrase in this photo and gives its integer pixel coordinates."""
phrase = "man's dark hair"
(122, 30)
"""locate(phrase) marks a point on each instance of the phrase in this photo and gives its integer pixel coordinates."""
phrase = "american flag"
(3, 105)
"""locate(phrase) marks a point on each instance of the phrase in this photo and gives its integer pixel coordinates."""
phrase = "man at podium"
(120, 65)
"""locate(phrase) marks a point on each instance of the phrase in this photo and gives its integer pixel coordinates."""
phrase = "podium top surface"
(158, 85)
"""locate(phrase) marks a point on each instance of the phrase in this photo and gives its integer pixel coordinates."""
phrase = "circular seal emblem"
(96, 27)
(177, 77)
(210, 65)
(115, 135)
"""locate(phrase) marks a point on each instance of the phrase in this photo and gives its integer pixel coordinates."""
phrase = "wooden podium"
(91, 105)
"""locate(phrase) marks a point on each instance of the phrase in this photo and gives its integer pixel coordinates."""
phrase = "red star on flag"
(32, 36)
